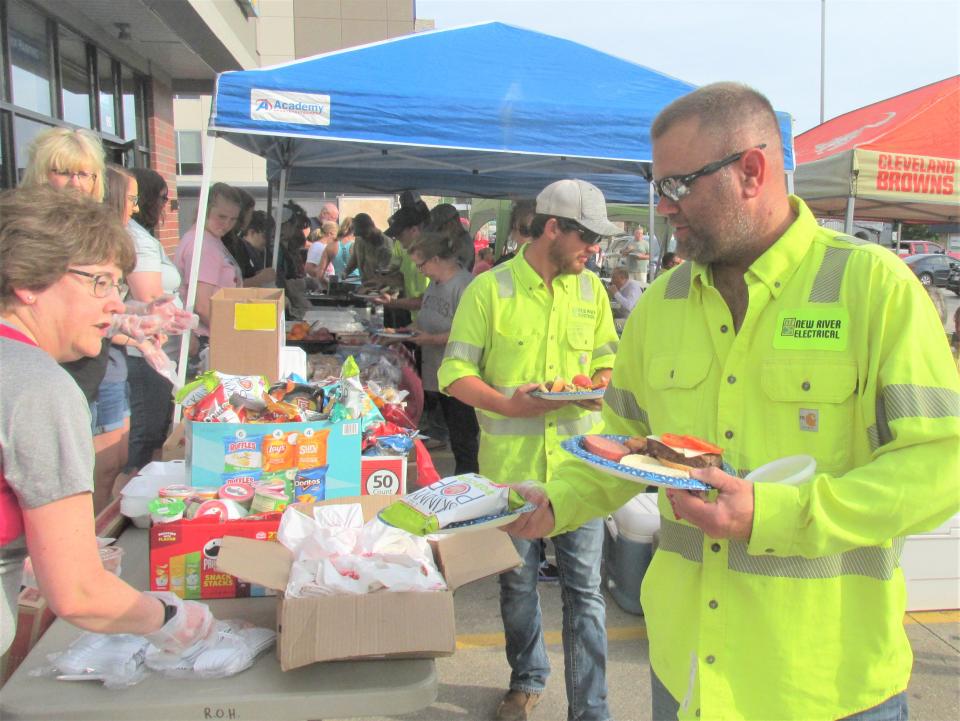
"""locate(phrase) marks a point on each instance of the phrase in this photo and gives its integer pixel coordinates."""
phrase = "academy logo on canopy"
(288, 107)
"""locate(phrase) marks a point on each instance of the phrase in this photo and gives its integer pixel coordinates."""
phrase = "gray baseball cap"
(577, 200)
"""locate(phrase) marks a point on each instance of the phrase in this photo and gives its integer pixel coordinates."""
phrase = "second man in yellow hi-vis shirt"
(530, 320)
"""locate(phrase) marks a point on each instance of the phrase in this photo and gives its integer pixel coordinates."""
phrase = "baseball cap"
(403, 219)
(577, 200)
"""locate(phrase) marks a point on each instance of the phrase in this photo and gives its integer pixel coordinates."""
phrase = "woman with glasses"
(57, 301)
(435, 255)
(521, 215)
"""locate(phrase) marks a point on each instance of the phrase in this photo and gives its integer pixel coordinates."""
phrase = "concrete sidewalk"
(473, 680)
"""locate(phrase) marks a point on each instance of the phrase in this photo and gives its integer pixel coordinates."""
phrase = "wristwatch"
(169, 611)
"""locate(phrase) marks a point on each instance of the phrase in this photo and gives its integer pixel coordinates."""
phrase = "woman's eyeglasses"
(134, 199)
(423, 263)
(102, 283)
(82, 175)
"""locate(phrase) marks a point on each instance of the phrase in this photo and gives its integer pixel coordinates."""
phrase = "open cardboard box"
(375, 625)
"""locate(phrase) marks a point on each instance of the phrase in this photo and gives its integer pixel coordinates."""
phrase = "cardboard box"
(183, 556)
(174, 448)
(375, 625)
(33, 619)
(209, 444)
(247, 331)
(383, 475)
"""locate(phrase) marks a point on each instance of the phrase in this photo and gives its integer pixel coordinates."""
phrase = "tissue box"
(183, 556)
(375, 625)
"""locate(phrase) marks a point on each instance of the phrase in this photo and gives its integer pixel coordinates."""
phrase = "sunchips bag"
(458, 498)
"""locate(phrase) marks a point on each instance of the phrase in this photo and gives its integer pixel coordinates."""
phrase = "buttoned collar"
(780, 261)
(529, 279)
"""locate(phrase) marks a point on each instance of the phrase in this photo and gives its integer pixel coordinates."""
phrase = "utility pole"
(823, 55)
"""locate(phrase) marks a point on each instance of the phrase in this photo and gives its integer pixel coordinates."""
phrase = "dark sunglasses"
(586, 235)
(676, 187)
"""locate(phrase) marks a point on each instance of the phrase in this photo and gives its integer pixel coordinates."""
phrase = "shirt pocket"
(580, 336)
(677, 383)
(516, 356)
(812, 409)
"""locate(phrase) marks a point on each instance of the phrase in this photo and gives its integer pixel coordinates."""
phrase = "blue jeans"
(584, 616)
(665, 708)
(111, 408)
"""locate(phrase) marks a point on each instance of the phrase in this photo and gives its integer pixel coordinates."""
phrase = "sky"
(875, 49)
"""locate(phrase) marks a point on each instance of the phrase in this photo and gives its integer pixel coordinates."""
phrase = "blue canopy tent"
(488, 110)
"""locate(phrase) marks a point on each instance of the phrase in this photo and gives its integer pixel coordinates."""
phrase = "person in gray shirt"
(435, 255)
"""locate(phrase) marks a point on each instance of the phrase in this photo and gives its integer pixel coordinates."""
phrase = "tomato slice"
(691, 443)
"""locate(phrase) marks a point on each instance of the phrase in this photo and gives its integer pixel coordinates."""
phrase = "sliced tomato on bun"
(691, 443)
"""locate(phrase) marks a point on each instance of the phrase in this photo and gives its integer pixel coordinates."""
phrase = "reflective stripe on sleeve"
(826, 285)
(586, 287)
(679, 284)
(510, 426)
(871, 562)
(606, 349)
(904, 400)
(458, 350)
(578, 426)
(624, 404)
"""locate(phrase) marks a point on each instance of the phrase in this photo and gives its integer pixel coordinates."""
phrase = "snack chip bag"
(312, 448)
(249, 477)
(457, 498)
(279, 452)
(309, 486)
(243, 453)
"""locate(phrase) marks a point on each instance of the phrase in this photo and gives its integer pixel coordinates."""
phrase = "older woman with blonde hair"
(67, 158)
(57, 301)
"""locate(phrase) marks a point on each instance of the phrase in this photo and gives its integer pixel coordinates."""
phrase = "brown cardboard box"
(174, 448)
(247, 331)
(33, 619)
(375, 625)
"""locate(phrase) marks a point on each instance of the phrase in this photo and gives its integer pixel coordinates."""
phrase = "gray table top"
(318, 691)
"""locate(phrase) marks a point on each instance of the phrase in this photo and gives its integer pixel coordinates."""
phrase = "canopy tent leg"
(651, 220)
(848, 220)
(790, 182)
(191, 298)
(279, 217)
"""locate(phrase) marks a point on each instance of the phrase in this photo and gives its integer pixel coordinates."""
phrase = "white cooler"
(628, 548)
(931, 567)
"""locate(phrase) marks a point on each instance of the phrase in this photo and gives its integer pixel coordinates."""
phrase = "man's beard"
(564, 264)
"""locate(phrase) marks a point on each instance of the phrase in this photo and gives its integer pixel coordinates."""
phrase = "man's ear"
(753, 172)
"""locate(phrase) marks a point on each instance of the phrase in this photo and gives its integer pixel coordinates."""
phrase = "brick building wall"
(163, 155)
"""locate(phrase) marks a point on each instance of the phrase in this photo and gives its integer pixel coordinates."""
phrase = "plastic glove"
(193, 623)
(138, 327)
(176, 321)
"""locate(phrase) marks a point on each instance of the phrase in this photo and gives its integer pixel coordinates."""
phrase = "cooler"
(628, 548)
(931, 567)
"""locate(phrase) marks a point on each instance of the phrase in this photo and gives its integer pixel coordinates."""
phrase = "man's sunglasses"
(676, 187)
(586, 235)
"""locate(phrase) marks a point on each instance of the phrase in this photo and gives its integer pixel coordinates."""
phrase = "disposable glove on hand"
(191, 624)
(175, 321)
(138, 327)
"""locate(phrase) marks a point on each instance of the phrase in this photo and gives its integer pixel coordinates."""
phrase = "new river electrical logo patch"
(289, 107)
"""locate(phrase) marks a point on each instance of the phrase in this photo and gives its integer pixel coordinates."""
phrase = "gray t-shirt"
(634, 264)
(152, 258)
(46, 449)
(440, 302)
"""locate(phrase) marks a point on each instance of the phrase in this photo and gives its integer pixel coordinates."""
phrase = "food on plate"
(605, 447)
(302, 331)
(681, 452)
(578, 384)
(652, 465)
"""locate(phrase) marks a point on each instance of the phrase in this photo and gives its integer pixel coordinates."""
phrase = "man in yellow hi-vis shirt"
(532, 319)
(777, 337)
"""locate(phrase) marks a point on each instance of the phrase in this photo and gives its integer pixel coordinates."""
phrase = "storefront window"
(189, 156)
(24, 132)
(130, 87)
(108, 93)
(29, 58)
(76, 79)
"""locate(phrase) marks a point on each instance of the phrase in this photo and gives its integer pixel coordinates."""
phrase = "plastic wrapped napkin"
(335, 552)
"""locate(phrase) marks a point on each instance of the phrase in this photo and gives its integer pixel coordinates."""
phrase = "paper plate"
(493, 521)
(570, 395)
(394, 336)
(574, 445)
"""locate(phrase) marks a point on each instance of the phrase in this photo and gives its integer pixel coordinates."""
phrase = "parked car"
(932, 268)
(917, 247)
(953, 282)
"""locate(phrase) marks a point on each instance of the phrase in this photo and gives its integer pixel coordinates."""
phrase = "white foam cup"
(790, 470)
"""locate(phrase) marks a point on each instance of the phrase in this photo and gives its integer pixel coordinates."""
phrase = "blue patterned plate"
(574, 445)
(493, 521)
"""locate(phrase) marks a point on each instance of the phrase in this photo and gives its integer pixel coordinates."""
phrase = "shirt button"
(715, 547)
(713, 604)
(723, 329)
(728, 434)
(776, 284)
(711, 659)
(731, 379)
(805, 385)
(768, 550)
(698, 713)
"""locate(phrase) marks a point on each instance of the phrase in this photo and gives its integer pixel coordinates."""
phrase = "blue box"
(220, 452)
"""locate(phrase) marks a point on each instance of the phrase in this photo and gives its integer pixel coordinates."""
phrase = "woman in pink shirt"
(218, 269)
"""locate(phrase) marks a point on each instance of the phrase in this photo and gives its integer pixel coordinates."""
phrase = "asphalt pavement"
(473, 680)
